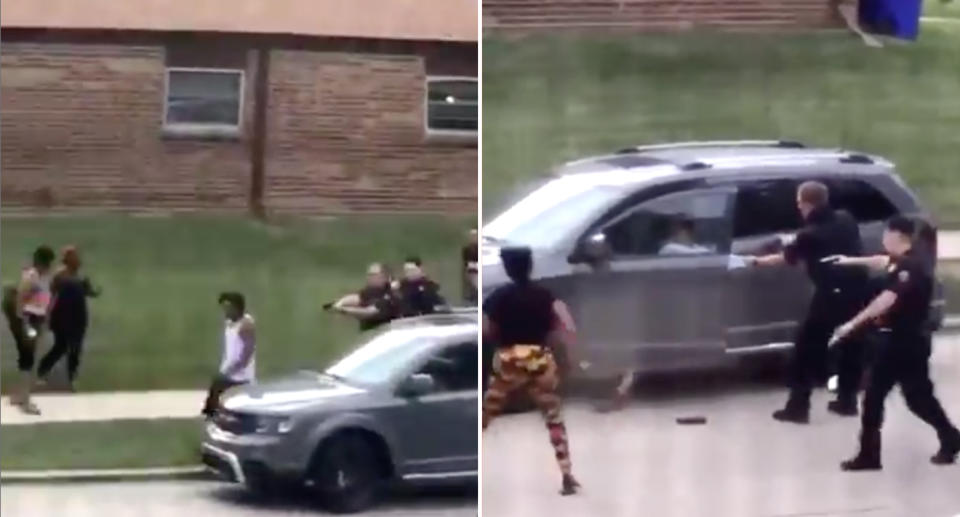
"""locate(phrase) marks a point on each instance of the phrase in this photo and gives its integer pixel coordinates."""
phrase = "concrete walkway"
(94, 407)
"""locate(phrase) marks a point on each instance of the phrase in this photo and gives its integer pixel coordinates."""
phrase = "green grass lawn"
(552, 98)
(939, 9)
(101, 445)
(158, 324)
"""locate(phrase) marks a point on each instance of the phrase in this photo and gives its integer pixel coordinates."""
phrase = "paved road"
(741, 464)
(206, 499)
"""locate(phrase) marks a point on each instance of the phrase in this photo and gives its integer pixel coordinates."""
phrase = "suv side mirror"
(417, 385)
(593, 250)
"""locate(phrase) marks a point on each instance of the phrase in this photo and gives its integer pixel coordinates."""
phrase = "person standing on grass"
(69, 315)
(419, 295)
(373, 305)
(470, 296)
(468, 257)
(25, 308)
(238, 365)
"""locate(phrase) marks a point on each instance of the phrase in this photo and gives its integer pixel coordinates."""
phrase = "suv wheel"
(347, 474)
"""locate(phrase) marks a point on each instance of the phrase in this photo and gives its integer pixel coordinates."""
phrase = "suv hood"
(288, 393)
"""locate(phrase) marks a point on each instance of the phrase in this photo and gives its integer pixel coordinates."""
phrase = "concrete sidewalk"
(94, 407)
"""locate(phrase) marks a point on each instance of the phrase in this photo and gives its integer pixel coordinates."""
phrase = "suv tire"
(347, 473)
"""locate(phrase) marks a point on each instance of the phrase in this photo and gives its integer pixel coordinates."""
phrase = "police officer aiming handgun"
(901, 313)
(839, 294)
(373, 305)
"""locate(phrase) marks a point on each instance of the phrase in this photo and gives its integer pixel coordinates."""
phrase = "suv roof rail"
(695, 166)
(857, 158)
(784, 144)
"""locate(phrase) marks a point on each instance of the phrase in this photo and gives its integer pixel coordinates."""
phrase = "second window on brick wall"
(452, 105)
(199, 99)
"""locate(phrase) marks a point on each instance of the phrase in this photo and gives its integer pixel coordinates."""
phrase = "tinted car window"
(454, 368)
(766, 207)
(861, 199)
(676, 224)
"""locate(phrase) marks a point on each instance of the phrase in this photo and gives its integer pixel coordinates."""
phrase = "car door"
(652, 306)
(438, 431)
(766, 304)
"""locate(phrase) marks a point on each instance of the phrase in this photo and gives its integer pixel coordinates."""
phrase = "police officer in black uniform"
(418, 294)
(839, 294)
(901, 312)
(375, 304)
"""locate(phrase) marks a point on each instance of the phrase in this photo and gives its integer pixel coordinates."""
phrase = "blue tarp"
(897, 18)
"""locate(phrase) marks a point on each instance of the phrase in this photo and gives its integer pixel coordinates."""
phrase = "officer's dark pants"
(903, 360)
(810, 361)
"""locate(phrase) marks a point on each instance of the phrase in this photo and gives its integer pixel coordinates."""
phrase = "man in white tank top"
(239, 351)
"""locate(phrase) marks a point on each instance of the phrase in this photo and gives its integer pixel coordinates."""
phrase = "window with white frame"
(452, 105)
(203, 98)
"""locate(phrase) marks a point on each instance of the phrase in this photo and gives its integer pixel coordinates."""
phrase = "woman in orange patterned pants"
(520, 318)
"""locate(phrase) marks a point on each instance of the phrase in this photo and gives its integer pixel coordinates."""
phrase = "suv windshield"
(540, 219)
(379, 359)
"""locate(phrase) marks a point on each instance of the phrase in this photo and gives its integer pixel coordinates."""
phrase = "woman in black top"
(69, 315)
(520, 318)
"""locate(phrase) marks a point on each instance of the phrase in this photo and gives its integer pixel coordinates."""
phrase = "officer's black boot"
(949, 448)
(844, 405)
(797, 410)
(869, 456)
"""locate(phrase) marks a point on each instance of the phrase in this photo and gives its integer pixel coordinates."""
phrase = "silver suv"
(401, 407)
(643, 245)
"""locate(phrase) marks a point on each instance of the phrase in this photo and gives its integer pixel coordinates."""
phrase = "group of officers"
(383, 299)
(850, 313)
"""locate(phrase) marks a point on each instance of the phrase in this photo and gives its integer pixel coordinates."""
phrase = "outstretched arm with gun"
(874, 262)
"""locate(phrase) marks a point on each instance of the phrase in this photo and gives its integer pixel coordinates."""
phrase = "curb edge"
(104, 475)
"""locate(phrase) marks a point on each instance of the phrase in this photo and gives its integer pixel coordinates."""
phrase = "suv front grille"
(236, 423)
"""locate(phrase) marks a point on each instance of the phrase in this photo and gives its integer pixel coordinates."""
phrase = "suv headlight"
(274, 424)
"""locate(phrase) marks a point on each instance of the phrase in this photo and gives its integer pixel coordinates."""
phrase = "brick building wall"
(348, 134)
(538, 14)
(82, 127)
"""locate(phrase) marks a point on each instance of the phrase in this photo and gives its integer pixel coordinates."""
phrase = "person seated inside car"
(681, 240)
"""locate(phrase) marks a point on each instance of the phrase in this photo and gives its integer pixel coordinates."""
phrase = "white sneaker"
(832, 384)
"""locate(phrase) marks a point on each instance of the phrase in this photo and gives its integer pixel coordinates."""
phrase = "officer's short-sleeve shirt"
(522, 314)
(383, 300)
(912, 281)
(828, 233)
(418, 297)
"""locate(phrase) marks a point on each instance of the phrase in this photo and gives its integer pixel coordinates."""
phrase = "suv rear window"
(861, 199)
(768, 207)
